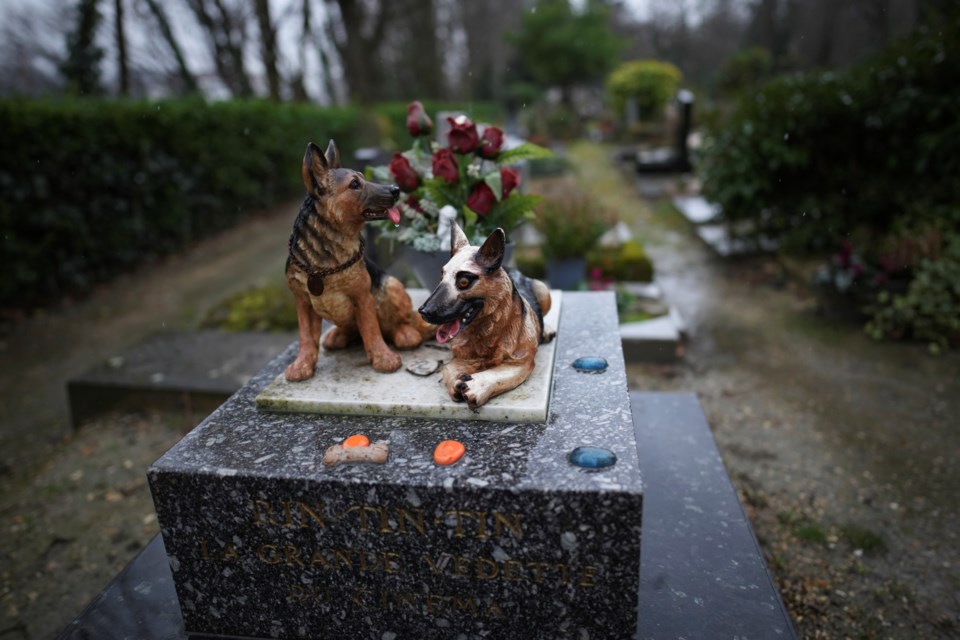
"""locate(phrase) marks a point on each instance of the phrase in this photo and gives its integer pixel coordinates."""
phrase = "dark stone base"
(510, 542)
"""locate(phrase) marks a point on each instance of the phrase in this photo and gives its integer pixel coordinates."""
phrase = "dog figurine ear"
(458, 240)
(490, 255)
(314, 168)
(333, 155)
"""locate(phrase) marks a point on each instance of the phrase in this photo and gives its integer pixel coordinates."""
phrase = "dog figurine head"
(355, 200)
(465, 283)
(492, 318)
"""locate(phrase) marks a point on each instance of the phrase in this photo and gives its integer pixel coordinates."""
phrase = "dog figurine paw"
(330, 277)
(491, 318)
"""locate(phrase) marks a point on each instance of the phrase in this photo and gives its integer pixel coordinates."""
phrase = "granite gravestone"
(512, 541)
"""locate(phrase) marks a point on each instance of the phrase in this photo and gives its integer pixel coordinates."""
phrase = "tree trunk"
(227, 58)
(360, 54)
(186, 76)
(121, 36)
(268, 47)
(297, 86)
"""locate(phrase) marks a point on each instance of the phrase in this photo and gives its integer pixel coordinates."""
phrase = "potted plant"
(571, 225)
(470, 180)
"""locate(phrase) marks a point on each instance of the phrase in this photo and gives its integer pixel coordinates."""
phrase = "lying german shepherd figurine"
(492, 319)
(330, 277)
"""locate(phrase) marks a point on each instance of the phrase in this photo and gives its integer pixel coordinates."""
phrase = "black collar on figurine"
(315, 276)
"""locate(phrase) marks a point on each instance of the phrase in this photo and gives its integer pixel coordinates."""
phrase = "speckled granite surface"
(345, 384)
(510, 542)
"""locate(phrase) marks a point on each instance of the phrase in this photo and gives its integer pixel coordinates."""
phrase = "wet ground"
(844, 451)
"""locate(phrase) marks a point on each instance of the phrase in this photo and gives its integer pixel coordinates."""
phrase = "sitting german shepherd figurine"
(329, 276)
(492, 319)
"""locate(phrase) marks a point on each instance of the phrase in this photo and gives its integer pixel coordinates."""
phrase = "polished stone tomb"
(511, 541)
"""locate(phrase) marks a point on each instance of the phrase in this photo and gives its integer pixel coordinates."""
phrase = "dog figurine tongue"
(448, 330)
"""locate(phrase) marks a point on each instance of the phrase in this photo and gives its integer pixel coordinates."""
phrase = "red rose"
(490, 143)
(481, 198)
(445, 166)
(418, 122)
(403, 171)
(462, 136)
(509, 179)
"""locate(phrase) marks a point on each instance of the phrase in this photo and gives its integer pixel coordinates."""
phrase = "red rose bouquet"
(473, 173)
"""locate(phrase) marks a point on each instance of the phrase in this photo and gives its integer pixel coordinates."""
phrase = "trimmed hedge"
(93, 187)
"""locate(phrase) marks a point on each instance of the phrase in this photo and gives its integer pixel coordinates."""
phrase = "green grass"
(862, 538)
(810, 532)
(266, 308)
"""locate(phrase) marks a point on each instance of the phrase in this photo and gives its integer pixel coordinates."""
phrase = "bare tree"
(186, 76)
(268, 47)
(226, 36)
(485, 25)
(30, 54)
(358, 44)
(120, 34)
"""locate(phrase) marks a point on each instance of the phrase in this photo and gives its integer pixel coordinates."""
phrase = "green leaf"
(470, 218)
(496, 185)
(526, 151)
(442, 193)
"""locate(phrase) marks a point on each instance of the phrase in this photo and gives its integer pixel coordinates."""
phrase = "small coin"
(424, 367)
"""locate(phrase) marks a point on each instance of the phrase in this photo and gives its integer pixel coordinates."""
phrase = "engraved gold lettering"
(415, 517)
(433, 602)
(487, 569)
(564, 572)
(318, 558)
(297, 594)
(407, 600)
(204, 553)
(468, 604)
(264, 516)
(494, 611)
(292, 555)
(458, 520)
(358, 596)
(230, 553)
(368, 560)
(437, 568)
(511, 522)
(461, 566)
(512, 569)
(268, 554)
(537, 568)
(482, 525)
(392, 562)
(377, 511)
(587, 575)
(287, 516)
(305, 511)
(343, 558)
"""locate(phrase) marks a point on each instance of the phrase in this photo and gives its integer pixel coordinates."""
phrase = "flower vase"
(566, 273)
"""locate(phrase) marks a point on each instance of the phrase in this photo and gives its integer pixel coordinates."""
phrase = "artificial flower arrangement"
(472, 175)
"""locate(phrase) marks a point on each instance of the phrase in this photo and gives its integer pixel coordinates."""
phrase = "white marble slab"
(345, 384)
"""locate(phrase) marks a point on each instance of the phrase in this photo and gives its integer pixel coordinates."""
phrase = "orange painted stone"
(356, 440)
(448, 452)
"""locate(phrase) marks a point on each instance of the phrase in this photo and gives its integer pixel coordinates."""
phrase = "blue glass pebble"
(592, 457)
(590, 364)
